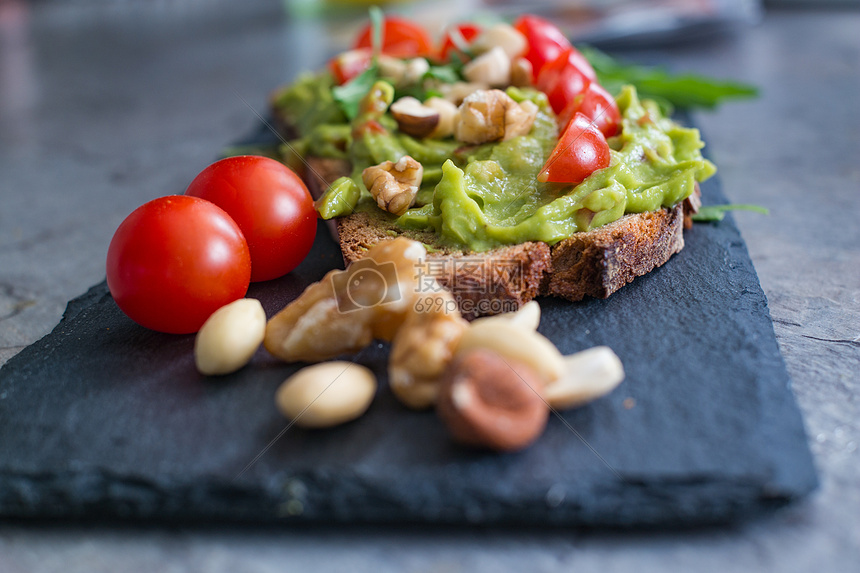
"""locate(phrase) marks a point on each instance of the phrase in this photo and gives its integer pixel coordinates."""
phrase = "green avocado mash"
(481, 197)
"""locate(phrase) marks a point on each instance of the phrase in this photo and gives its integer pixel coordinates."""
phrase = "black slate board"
(102, 418)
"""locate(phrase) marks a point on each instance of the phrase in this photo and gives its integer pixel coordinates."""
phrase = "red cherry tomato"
(597, 105)
(176, 260)
(580, 151)
(269, 203)
(546, 41)
(401, 38)
(349, 64)
(562, 79)
(468, 32)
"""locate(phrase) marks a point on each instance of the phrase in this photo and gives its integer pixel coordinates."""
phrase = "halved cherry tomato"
(401, 38)
(468, 32)
(546, 41)
(269, 203)
(580, 151)
(176, 260)
(563, 79)
(597, 105)
(349, 64)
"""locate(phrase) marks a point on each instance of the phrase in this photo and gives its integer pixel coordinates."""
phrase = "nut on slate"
(588, 375)
(423, 348)
(513, 342)
(342, 314)
(229, 338)
(413, 117)
(394, 185)
(490, 402)
(527, 317)
(326, 394)
(492, 115)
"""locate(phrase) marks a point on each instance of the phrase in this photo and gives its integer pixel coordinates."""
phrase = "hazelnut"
(522, 72)
(488, 401)
(414, 118)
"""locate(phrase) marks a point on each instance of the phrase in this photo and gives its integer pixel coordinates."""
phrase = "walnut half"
(394, 185)
(491, 115)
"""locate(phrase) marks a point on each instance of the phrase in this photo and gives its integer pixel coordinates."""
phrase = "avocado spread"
(483, 196)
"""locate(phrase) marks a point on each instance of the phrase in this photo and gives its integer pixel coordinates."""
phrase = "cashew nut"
(491, 115)
(588, 375)
(527, 317)
(394, 185)
(447, 112)
(326, 394)
(515, 343)
(502, 36)
(492, 68)
(229, 338)
(423, 347)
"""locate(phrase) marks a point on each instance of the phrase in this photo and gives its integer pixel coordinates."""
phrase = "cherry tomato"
(176, 260)
(562, 80)
(468, 32)
(596, 104)
(580, 151)
(349, 64)
(546, 41)
(401, 38)
(269, 203)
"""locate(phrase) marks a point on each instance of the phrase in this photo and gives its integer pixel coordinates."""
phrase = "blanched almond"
(326, 394)
(229, 338)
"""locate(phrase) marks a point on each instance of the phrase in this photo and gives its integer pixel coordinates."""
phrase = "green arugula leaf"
(681, 90)
(349, 95)
(718, 212)
(447, 74)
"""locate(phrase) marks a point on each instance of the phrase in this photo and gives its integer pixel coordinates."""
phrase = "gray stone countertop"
(104, 106)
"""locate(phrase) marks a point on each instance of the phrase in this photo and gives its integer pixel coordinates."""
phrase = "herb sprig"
(681, 90)
(718, 212)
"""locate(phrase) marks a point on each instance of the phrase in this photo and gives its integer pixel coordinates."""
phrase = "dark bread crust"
(599, 262)
(592, 263)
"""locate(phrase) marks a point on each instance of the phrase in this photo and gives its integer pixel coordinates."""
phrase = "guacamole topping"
(485, 196)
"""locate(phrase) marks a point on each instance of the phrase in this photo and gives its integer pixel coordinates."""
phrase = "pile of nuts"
(493, 381)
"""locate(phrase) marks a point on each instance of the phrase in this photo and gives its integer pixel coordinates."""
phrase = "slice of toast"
(592, 263)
